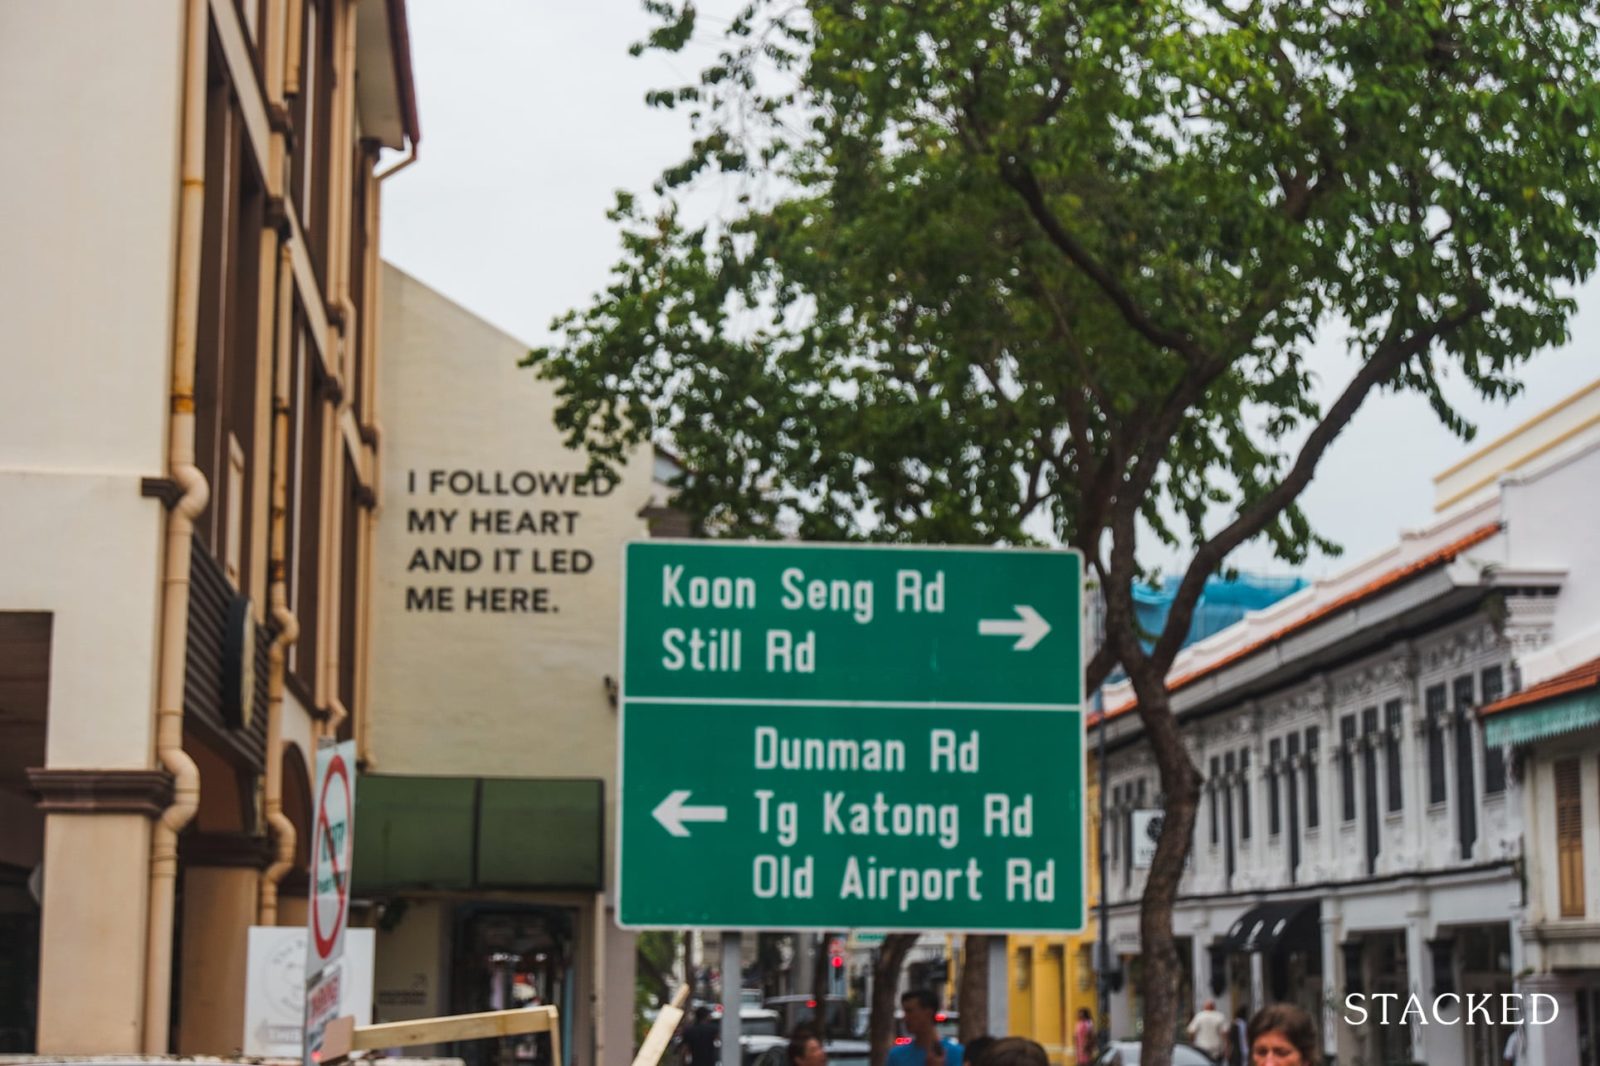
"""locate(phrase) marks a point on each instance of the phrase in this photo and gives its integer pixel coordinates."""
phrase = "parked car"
(759, 1021)
(797, 1010)
(948, 1022)
(1126, 1053)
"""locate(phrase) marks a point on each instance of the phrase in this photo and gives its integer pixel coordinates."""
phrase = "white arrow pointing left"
(1027, 627)
(675, 810)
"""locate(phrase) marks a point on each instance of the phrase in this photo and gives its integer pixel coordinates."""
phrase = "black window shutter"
(1347, 768)
(1466, 792)
(1369, 784)
(1244, 793)
(1391, 754)
(1313, 805)
(1494, 759)
(1274, 812)
(1211, 798)
(1293, 745)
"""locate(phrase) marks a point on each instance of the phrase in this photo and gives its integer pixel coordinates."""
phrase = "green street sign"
(833, 736)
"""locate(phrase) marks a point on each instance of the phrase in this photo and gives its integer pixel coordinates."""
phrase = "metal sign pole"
(732, 980)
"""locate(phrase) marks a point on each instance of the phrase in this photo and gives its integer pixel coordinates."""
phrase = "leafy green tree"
(999, 271)
(654, 979)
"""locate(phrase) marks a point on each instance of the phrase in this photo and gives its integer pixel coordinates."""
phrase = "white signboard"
(1146, 831)
(275, 988)
(323, 996)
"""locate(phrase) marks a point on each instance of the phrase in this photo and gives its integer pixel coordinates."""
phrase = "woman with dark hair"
(976, 1048)
(1083, 1038)
(805, 1048)
(1015, 1051)
(1283, 1035)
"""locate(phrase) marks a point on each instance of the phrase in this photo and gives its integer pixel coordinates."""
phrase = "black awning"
(1279, 924)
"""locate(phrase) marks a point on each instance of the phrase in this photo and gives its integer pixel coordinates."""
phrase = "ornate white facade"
(1355, 834)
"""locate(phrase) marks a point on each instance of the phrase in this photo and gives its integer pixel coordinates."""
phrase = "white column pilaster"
(1555, 1044)
(1336, 1037)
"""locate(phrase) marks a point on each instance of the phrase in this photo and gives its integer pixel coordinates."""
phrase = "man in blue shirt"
(926, 1048)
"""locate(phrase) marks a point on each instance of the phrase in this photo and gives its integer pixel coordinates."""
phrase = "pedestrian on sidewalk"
(1207, 1029)
(1083, 1037)
(703, 1040)
(927, 1048)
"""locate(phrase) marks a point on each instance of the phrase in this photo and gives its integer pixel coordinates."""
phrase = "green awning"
(469, 833)
(1551, 718)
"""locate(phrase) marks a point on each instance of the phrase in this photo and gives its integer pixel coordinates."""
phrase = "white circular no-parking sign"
(330, 865)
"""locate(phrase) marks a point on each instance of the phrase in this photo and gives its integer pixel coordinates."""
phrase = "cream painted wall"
(409, 964)
(89, 102)
(466, 692)
(300, 729)
(87, 550)
(89, 116)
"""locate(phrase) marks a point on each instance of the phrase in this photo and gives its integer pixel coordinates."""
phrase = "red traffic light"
(837, 962)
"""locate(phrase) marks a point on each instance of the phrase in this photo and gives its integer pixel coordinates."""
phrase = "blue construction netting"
(1224, 602)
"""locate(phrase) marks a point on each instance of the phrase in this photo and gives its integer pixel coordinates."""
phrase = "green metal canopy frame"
(1563, 714)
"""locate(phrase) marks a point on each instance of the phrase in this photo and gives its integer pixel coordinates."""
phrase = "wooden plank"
(494, 1023)
(661, 1032)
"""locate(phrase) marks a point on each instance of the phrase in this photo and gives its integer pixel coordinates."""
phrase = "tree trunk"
(885, 988)
(1180, 786)
(972, 992)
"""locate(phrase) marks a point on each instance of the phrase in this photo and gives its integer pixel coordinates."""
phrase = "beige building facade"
(188, 460)
(484, 840)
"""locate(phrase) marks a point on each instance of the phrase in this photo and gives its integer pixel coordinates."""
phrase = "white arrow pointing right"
(1027, 627)
(674, 811)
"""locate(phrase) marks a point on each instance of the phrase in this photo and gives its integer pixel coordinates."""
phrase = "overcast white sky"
(533, 113)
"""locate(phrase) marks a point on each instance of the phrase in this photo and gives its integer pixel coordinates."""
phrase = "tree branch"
(1251, 520)
(1020, 177)
(1105, 660)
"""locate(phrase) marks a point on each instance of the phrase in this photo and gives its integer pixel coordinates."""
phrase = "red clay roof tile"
(1583, 676)
(1389, 579)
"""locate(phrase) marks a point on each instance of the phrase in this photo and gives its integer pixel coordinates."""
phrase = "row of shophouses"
(1401, 791)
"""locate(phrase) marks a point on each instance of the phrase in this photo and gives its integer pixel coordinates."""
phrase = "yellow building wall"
(1050, 978)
